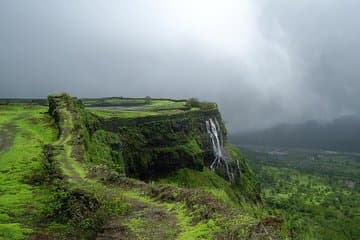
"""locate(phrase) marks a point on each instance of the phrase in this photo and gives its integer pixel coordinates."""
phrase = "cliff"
(122, 168)
(155, 146)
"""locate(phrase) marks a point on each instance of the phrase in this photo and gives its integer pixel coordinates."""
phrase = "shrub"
(147, 100)
(193, 102)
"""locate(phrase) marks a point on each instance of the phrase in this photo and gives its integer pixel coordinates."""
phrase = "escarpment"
(148, 143)
(106, 168)
(156, 145)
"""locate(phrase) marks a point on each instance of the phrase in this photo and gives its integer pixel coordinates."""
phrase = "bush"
(147, 100)
(193, 102)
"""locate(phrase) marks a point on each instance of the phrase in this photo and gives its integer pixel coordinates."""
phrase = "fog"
(263, 61)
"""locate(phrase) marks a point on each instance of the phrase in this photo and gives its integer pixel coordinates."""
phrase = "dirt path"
(65, 160)
(7, 135)
(144, 220)
(66, 147)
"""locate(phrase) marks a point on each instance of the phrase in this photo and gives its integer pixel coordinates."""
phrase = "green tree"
(148, 100)
(193, 102)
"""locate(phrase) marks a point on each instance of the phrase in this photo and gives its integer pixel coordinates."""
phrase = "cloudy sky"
(262, 61)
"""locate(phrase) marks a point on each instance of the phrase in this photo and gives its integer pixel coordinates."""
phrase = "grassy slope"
(207, 181)
(22, 202)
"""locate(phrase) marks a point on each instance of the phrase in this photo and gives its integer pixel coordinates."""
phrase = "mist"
(264, 62)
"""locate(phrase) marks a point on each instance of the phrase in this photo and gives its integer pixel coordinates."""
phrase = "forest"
(316, 192)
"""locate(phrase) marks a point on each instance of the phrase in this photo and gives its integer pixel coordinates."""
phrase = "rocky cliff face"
(155, 146)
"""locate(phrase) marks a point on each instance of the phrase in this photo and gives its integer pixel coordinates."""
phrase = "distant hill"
(342, 134)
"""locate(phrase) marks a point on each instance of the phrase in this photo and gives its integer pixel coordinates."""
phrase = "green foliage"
(13, 231)
(205, 180)
(104, 148)
(314, 203)
(155, 148)
(193, 103)
(147, 100)
(207, 106)
(247, 183)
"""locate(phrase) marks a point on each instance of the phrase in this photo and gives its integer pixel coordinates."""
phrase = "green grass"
(165, 104)
(153, 104)
(111, 113)
(154, 108)
(207, 181)
(19, 202)
(122, 114)
(187, 229)
(202, 230)
(114, 101)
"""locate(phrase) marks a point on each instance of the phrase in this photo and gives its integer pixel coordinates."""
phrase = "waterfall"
(214, 131)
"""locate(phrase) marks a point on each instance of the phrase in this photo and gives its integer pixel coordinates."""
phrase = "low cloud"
(263, 61)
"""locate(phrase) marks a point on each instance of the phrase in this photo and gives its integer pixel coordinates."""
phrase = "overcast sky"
(262, 61)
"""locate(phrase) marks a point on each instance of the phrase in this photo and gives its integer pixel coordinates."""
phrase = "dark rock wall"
(155, 146)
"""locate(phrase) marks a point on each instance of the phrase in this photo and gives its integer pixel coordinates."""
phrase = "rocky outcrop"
(153, 147)
(158, 145)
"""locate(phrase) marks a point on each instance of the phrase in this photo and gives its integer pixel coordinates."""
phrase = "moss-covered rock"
(153, 147)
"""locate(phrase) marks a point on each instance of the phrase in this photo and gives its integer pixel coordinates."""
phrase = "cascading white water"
(214, 131)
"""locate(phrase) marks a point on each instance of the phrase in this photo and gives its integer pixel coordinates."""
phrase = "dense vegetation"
(65, 174)
(316, 192)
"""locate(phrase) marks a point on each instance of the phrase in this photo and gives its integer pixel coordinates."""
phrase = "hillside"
(121, 168)
(342, 134)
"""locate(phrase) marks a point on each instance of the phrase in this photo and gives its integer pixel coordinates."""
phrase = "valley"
(317, 192)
